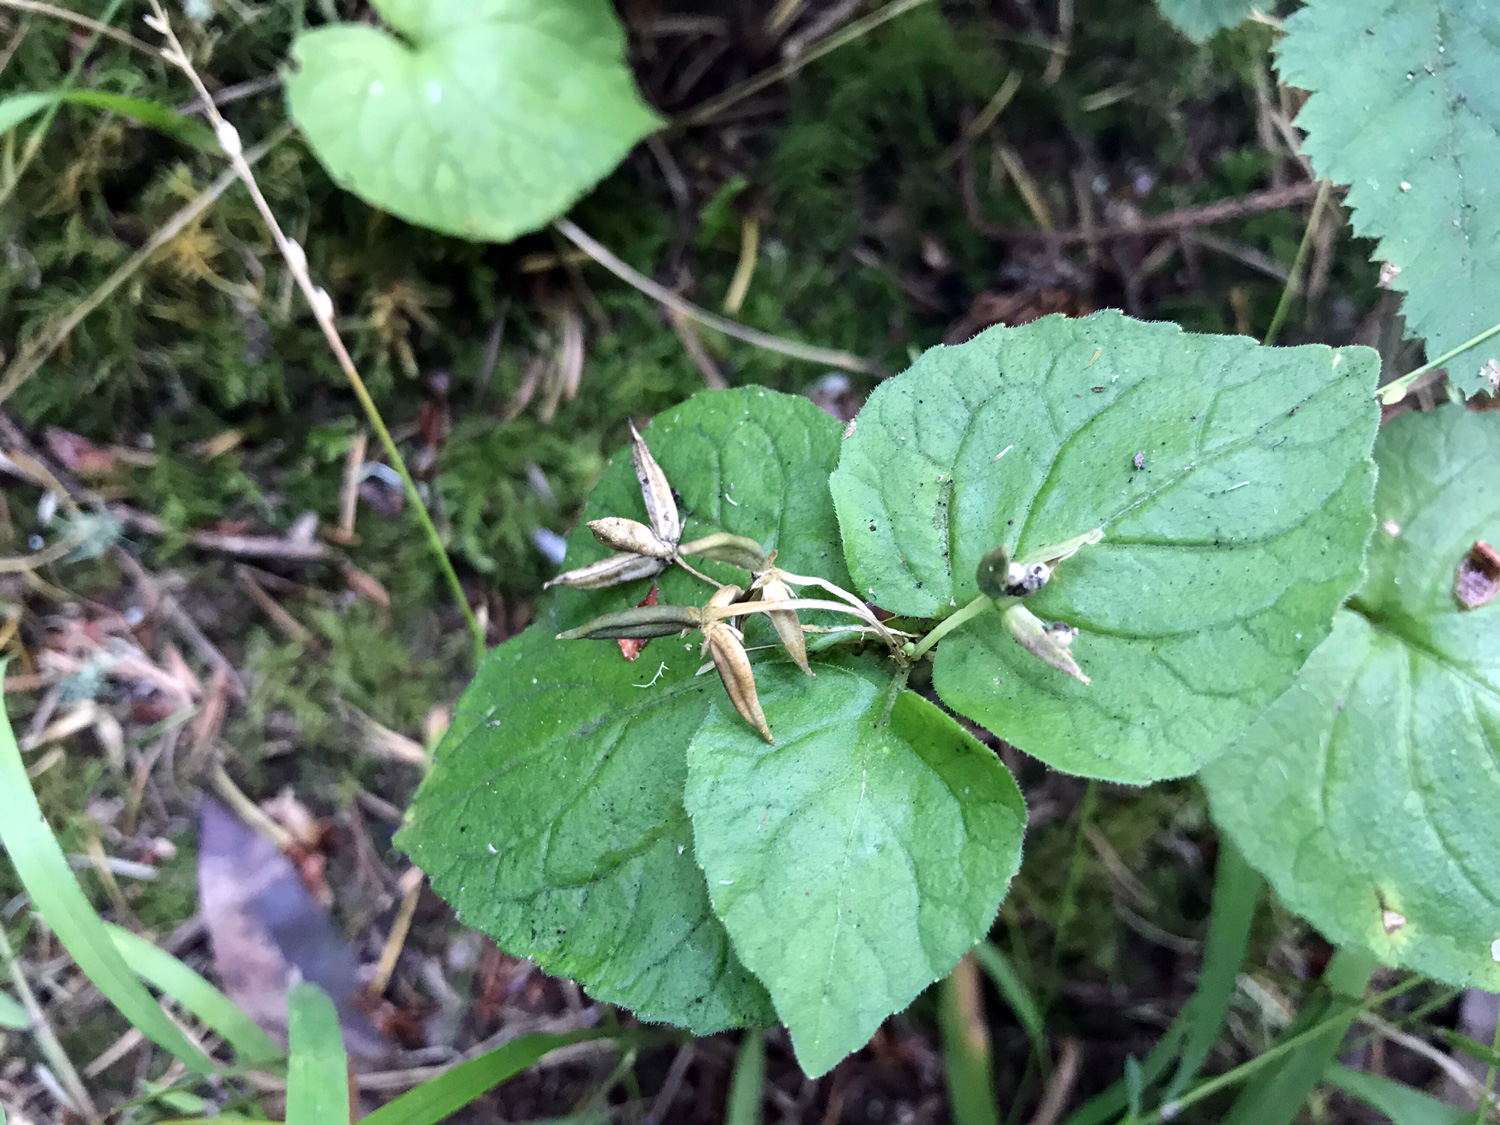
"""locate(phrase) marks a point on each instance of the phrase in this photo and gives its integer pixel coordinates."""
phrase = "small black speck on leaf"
(1097, 390)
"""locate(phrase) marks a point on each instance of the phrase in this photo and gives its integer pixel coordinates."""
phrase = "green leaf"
(1398, 1101)
(438, 1098)
(18, 107)
(1223, 561)
(856, 860)
(552, 818)
(1201, 20)
(219, 1013)
(317, 1071)
(55, 895)
(1366, 794)
(1405, 109)
(479, 118)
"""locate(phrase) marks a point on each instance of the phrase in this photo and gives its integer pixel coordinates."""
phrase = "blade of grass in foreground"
(966, 1046)
(252, 1046)
(317, 1070)
(455, 1088)
(1398, 1101)
(57, 897)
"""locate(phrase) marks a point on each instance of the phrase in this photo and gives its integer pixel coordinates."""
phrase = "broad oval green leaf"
(1224, 557)
(1367, 793)
(1405, 109)
(552, 818)
(857, 859)
(485, 119)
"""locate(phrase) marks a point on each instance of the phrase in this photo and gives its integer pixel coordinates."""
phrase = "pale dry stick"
(39, 348)
(411, 891)
(661, 294)
(1446, 1063)
(1060, 1086)
(23, 29)
(91, 24)
(322, 307)
(46, 1040)
(860, 27)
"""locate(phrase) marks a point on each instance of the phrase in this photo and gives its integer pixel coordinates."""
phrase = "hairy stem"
(953, 621)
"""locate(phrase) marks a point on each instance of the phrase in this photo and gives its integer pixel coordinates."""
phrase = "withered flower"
(771, 587)
(639, 623)
(1050, 643)
(721, 546)
(644, 551)
(725, 645)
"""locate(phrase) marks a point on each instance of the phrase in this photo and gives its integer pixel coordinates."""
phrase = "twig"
(1444, 1062)
(660, 293)
(322, 307)
(411, 891)
(785, 69)
(179, 617)
(1294, 277)
(1225, 211)
(1060, 1085)
(51, 1049)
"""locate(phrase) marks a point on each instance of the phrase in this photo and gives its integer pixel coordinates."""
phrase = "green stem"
(1065, 909)
(1395, 390)
(1246, 1069)
(953, 621)
(1284, 305)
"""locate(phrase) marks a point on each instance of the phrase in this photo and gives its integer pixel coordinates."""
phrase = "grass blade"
(450, 1091)
(1238, 889)
(966, 1047)
(317, 1070)
(1277, 1094)
(997, 966)
(748, 1084)
(12, 1014)
(252, 1046)
(57, 897)
(1398, 1101)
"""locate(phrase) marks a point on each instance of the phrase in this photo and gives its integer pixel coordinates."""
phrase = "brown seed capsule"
(661, 507)
(727, 649)
(1478, 577)
(609, 571)
(736, 550)
(638, 623)
(771, 588)
(1049, 643)
(629, 535)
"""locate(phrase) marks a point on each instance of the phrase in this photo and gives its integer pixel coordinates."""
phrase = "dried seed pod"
(736, 550)
(661, 507)
(727, 649)
(609, 571)
(629, 535)
(771, 588)
(639, 623)
(1046, 642)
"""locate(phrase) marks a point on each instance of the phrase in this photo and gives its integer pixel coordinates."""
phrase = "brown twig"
(1060, 1086)
(1210, 214)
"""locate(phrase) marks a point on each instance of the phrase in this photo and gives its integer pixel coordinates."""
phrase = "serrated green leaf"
(485, 119)
(857, 859)
(552, 818)
(1405, 109)
(1201, 20)
(1367, 793)
(1223, 561)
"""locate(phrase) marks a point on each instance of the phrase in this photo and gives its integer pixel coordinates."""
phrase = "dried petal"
(772, 589)
(629, 535)
(1478, 577)
(1049, 643)
(641, 622)
(609, 571)
(661, 507)
(728, 652)
(736, 550)
(630, 647)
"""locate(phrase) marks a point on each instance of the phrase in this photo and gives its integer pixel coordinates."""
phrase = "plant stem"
(322, 307)
(1395, 390)
(953, 621)
(1065, 908)
(1294, 278)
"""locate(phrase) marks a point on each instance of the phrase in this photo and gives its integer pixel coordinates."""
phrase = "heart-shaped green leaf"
(857, 859)
(1367, 793)
(552, 818)
(1405, 110)
(1232, 483)
(485, 118)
